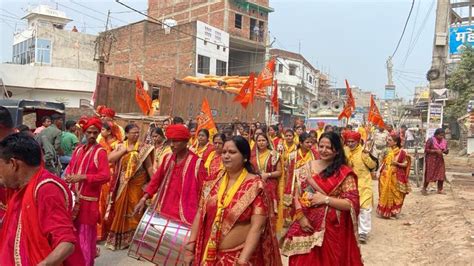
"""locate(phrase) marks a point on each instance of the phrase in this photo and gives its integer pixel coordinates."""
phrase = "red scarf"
(37, 245)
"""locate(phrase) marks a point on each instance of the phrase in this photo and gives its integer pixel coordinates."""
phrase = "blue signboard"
(389, 94)
(459, 37)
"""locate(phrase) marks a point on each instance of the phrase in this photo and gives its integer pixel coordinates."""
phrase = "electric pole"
(437, 74)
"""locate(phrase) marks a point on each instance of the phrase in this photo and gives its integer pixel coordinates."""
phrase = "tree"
(462, 82)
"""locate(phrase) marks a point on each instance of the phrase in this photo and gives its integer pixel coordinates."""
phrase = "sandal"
(97, 252)
(424, 192)
(441, 192)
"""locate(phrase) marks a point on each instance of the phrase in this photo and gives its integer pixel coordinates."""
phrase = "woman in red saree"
(275, 140)
(202, 147)
(213, 163)
(393, 181)
(435, 170)
(267, 164)
(324, 231)
(233, 223)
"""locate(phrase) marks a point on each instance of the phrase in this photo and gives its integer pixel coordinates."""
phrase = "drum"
(159, 240)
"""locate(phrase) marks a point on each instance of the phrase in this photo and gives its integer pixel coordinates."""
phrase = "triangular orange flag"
(346, 112)
(374, 114)
(247, 92)
(350, 97)
(275, 104)
(205, 119)
(265, 78)
(142, 98)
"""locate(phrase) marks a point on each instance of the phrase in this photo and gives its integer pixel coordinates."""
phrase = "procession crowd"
(248, 192)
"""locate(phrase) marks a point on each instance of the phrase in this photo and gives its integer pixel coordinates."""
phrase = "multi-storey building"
(298, 81)
(49, 62)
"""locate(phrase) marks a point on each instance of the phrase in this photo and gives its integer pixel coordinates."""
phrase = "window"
(23, 52)
(43, 51)
(221, 68)
(204, 63)
(292, 70)
(280, 68)
(261, 33)
(310, 79)
(254, 30)
(238, 21)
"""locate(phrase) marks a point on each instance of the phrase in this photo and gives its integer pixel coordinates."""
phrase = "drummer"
(176, 180)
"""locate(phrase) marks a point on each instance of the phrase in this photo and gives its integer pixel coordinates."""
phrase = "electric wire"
(412, 33)
(404, 28)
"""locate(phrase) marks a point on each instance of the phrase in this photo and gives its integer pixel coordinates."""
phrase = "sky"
(348, 39)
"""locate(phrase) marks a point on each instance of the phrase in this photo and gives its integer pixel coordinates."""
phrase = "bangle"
(326, 200)
(270, 175)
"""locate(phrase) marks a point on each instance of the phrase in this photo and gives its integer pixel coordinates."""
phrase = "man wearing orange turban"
(363, 164)
(87, 171)
(180, 188)
(107, 115)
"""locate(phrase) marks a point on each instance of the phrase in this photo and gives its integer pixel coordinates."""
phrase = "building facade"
(50, 63)
(245, 21)
(159, 53)
(46, 42)
(298, 82)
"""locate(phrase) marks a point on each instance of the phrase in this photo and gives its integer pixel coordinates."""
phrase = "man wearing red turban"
(179, 179)
(363, 164)
(87, 171)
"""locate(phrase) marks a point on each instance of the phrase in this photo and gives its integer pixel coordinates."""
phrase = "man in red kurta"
(87, 171)
(38, 228)
(6, 128)
(178, 180)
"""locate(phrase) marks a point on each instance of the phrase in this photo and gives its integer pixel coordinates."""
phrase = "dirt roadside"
(431, 230)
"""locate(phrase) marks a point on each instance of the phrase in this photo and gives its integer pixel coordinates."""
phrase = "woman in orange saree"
(324, 231)
(110, 138)
(134, 166)
(393, 181)
(233, 223)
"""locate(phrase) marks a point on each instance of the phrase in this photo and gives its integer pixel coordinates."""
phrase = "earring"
(245, 160)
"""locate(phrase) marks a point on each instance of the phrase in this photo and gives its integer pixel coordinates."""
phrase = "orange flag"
(265, 78)
(275, 97)
(142, 98)
(350, 97)
(346, 112)
(374, 114)
(247, 92)
(205, 119)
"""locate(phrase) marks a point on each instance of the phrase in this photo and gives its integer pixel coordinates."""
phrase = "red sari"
(38, 221)
(250, 199)
(339, 240)
(267, 165)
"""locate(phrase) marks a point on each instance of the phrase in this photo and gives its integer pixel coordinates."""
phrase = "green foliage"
(462, 82)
